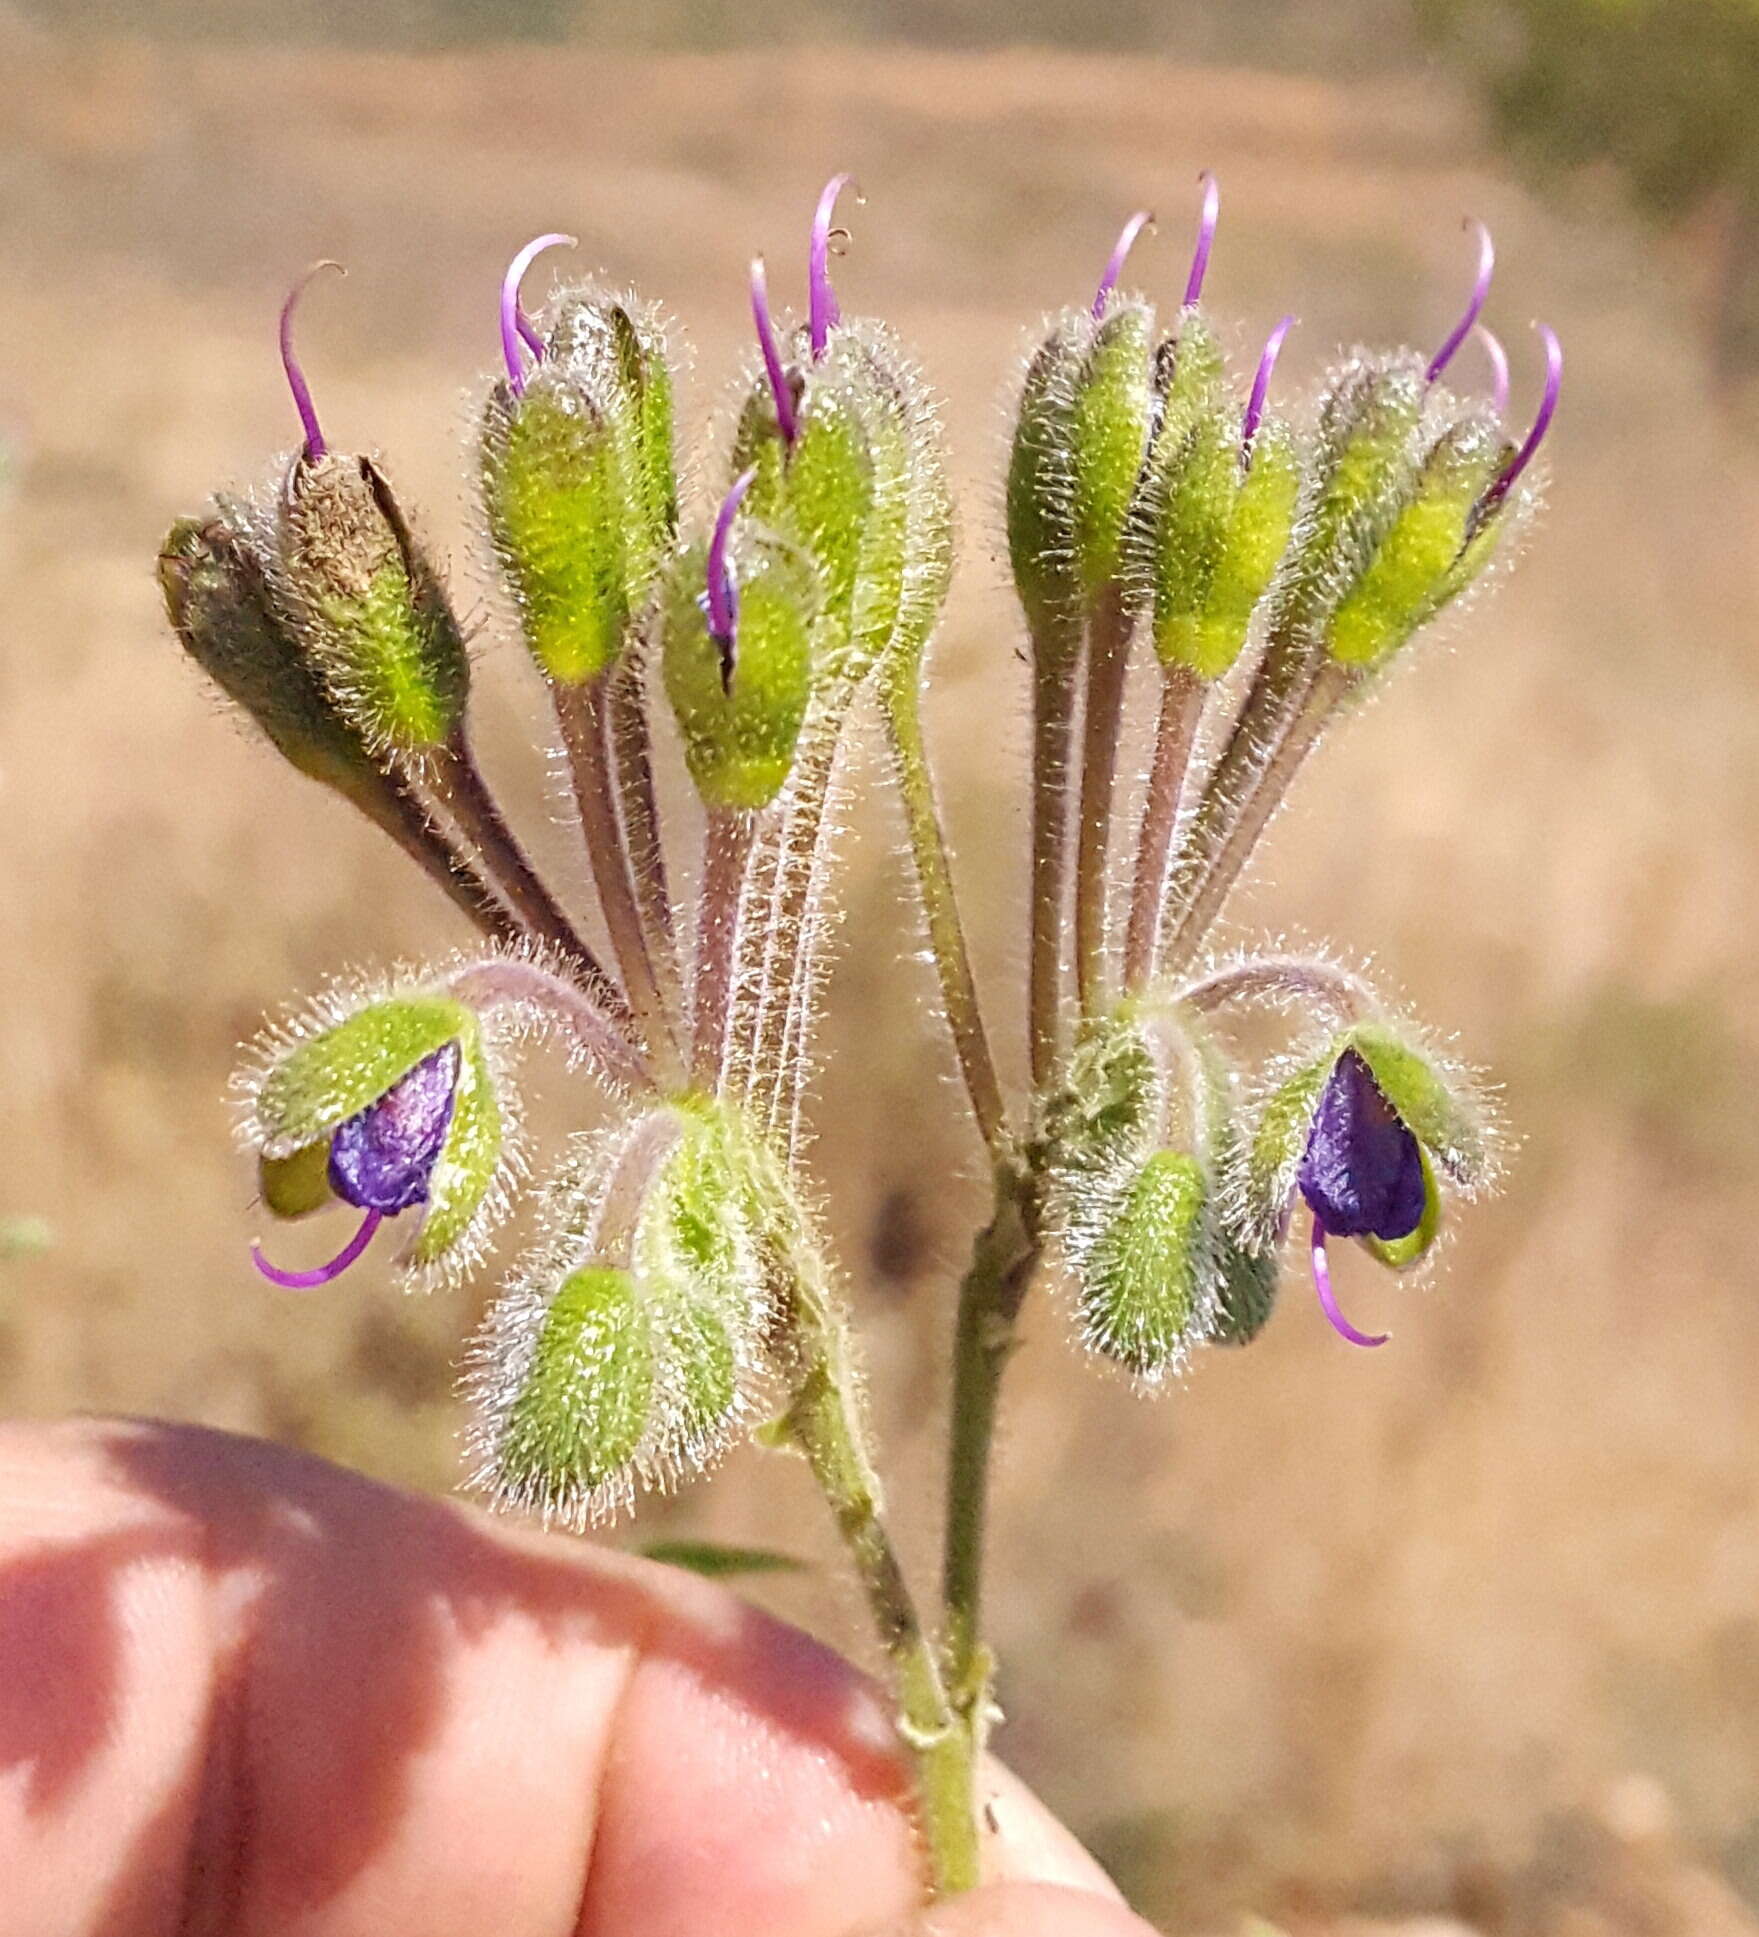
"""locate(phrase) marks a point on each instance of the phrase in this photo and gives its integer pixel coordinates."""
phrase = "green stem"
(1108, 658)
(824, 1420)
(940, 907)
(1054, 661)
(1003, 1261)
(1181, 706)
(726, 848)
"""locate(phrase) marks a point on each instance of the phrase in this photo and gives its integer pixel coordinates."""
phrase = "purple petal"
(315, 447)
(383, 1158)
(1142, 219)
(1554, 379)
(824, 312)
(1474, 303)
(1212, 204)
(510, 330)
(1273, 348)
(1498, 359)
(325, 1273)
(1362, 1171)
(1328, 1299)
(781, 391)
(721, 597)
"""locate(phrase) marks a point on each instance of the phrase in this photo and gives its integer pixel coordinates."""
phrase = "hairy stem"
(1108, 643)
(1181, 706)
(457, 783)
(946, 931)
(1053, 706)
(1003, 1261)
(508, 982)
(583, 713)
(726, 848)
(1236, 819)
(825, 1421)
(1275, 978)
(396, 810)
(632, 762)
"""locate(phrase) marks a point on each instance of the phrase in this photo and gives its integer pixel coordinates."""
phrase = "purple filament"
(824, 312)
(1474, 303)
(315, 447)
(1554, 378)
(1328, 1301)
(780, 389)
(1498, 359)
(529, 333)
(1273, 348)
(511, 333)
(1142, 219)
(1212, 205)
(722, 597)
(325, 1273)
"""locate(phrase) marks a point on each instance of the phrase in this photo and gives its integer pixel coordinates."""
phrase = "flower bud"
(1147, 1285)
(217, 599)
(737, 658)
(369, 605)
(630, 1349)
(389, 1104)
(579, 483)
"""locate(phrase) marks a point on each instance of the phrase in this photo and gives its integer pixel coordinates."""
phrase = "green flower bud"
(1108, 424)
(631, 1349)
(369, 605)
(738, 661)
(1041, 485)
(390, 1103)
(579, 483)
(1147, 1283)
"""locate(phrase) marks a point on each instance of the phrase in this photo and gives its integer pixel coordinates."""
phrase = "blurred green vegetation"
(1664, 94)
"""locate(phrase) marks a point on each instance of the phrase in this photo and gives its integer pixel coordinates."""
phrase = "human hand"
(243, 1693)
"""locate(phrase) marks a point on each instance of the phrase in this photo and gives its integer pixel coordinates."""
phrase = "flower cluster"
(1256, 568)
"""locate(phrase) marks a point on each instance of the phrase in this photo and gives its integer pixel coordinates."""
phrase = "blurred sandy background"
(1466, 1629)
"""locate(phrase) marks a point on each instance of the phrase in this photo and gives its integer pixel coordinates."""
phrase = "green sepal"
(561, 512)
(1041, 489)
(1108, 427)
(1252, 547)
(1399, 1254)
(1188, 368)
(823, 495)
(584, 1408)
(1144, 1290)
(1246, 1289)
(1279, 1139)
(1442, 1118)
(370, 606)
(298, 1183)
(740, 730)
(325, 1078)
(1413, 569)
(464, 1173)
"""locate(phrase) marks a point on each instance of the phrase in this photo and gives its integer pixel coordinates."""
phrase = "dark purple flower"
(382, 1159)
(1362, 1172)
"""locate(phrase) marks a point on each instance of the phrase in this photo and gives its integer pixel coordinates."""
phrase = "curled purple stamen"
(1142, 219)
(1328, 1302)
(1474, 303)
(511, 333)
(1498, 359)
(823, 311)
(1273, 348)
(780, 389)
(315, 447)
(721, 599)
(1212, 206)
(325, 1273)
(1554, 378)
(529, 333)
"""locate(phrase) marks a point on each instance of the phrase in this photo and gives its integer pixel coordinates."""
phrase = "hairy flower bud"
(737, 658)
(579, 481)
(369, 605)
(389, 1103)
(630, 1349)
(217, 599)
